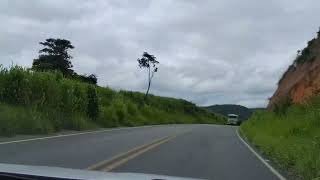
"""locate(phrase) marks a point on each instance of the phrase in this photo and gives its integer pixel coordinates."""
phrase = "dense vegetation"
(289, 136)
(45, 102)
(243, 112)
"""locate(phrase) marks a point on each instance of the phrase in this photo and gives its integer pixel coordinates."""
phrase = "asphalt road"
(198, 151)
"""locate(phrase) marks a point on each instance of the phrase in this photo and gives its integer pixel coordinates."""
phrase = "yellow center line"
(123, 158)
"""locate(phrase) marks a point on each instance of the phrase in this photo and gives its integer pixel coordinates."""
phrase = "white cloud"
(223, 51)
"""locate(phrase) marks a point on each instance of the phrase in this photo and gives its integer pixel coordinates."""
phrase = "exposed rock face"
(302, 79)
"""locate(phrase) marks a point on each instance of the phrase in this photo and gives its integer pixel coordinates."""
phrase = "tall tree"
(54, 56)
(148, 61)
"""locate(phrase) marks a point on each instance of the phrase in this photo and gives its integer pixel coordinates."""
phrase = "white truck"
(233, 119)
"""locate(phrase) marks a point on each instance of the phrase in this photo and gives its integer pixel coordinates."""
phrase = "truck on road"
(233, 119)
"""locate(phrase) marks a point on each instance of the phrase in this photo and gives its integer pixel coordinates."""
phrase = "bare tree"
(148, 61)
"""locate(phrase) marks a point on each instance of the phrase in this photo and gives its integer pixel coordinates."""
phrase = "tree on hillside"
(92, 78)
(148, 61)
(54, 56)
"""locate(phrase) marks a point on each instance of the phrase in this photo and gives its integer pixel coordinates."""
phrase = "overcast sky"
(210, 51)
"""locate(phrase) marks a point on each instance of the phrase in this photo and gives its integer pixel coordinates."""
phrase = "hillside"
(291, 139)
(302, 78)
(288, 133)
(225, 109)
(33, 102)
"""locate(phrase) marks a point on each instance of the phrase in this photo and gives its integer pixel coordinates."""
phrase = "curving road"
(198, 151)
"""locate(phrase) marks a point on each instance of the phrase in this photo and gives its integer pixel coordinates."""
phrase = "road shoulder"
(269, 164)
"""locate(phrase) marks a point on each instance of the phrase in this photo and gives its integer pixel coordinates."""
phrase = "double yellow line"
(120, 159)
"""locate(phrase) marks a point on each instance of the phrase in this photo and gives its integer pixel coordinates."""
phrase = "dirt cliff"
(302, 79)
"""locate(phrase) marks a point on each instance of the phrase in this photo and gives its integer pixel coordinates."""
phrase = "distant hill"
(225, 109)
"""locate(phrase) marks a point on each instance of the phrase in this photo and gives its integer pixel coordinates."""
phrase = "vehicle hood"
(65, 173)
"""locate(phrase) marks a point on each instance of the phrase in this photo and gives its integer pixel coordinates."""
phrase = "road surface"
(197, 151)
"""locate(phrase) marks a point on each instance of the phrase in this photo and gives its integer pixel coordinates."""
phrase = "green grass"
(291, 138)
(46, 102)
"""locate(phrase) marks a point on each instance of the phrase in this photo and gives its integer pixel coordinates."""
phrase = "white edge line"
(275, 172)
(73, 134)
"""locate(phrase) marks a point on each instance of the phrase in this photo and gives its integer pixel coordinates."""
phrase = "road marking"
(73, 134)
(121, 159)
(275, 172)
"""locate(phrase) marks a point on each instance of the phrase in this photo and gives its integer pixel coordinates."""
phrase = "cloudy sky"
(210, 51)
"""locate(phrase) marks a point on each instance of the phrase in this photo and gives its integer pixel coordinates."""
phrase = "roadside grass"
(46, 102)
(291, 139)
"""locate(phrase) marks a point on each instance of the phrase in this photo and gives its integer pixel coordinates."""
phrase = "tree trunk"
(149, 83)
(148, 88)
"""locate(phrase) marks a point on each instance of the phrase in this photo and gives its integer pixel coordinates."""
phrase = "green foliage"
(306, 55)
(291, 139)
(33, 102)
(132, 109)
(40, 95)
(54, 56)
(91, 79)
(14, 119)
(93, 104)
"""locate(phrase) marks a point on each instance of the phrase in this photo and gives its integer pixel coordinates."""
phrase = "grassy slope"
(44, 102)
(291, 139)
